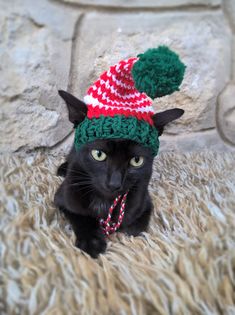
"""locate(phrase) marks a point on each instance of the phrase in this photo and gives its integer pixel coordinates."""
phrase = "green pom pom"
(158, 72)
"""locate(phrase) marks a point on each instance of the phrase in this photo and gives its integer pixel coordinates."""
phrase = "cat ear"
(77, 109)
(163, 118)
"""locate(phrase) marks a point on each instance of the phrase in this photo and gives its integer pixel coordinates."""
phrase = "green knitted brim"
(117, 127)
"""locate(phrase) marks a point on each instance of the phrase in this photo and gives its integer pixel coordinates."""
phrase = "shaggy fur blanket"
(185, 264)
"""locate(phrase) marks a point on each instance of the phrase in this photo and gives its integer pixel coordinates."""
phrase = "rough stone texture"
(202, 41)
(226, 113)
(146, 3)
(64, 147)
(233, 59)
(38, 56)
(229, 7)
(197, 141)
(35, 50)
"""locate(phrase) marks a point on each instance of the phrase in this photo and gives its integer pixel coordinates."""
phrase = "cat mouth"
(110, 194)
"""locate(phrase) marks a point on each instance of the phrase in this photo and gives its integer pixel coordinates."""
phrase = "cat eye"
(137, 161)
(98, 155)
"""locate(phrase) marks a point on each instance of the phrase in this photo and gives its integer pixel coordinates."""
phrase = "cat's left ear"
(77, 109)
(163, 118)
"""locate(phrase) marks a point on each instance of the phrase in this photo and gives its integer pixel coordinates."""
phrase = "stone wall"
(66, 44)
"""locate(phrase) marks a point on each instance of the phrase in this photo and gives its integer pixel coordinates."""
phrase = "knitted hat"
(120, 101)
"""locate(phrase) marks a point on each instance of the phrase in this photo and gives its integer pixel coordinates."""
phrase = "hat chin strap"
(107, 225)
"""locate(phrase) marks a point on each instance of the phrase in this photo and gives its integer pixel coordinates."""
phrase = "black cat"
(99, 172)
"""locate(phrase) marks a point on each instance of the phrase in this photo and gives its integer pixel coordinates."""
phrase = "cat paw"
(93, 246)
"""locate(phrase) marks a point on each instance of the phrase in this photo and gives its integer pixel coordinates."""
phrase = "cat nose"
(115, 181)
(114, 186)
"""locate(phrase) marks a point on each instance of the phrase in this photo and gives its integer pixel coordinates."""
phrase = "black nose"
(115, 181)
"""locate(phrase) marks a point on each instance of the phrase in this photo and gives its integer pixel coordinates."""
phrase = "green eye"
(137, 161)
(98, 155)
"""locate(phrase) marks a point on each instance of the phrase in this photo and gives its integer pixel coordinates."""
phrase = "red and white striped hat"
(120, 101)
(114, 93)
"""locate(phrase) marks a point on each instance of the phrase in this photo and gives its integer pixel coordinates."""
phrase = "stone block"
(35, 61)
(226, 113)
(233, 59)
(196, 141)
(145, 3)
(229, 8)
(202, 40)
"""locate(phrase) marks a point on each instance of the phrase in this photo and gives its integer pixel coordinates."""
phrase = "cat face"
(113, 166)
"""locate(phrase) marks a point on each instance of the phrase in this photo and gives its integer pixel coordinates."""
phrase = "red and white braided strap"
(107, 225)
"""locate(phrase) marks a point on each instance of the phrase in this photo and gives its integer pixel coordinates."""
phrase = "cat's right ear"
(77, 109)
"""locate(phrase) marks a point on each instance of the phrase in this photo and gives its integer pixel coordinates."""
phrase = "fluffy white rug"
(185, 264)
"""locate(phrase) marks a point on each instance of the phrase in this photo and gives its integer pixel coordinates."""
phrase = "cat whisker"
(80, 178)
(88, 191)
(79, 175)
(85, 188)
(79, 172)
(81, 183)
